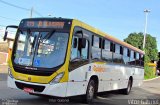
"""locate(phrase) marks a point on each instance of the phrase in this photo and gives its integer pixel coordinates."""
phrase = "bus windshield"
(46, 49)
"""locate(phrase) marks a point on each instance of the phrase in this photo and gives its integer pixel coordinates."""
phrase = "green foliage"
(136, 39)
(148, 71)
(151, 48)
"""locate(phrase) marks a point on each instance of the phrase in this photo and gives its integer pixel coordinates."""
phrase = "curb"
(151, 79)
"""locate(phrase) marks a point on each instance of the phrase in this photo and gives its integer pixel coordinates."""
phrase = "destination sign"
(57, 24)
(44, 24)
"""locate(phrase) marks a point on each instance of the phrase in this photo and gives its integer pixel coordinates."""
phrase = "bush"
(149, 72)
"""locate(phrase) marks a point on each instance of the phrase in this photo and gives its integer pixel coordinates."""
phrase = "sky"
(118, 18)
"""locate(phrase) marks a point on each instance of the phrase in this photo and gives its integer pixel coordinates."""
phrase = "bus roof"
(45, 18)
(94, 30)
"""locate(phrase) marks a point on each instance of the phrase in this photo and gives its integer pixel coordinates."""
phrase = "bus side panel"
(79, 78)
(77, 82)
(117, 76)
(107, 77)
(126, 73)
(76, 88)
(136, 73)
(138, 77)
(97, 69)
(114, 77)
(110, 76)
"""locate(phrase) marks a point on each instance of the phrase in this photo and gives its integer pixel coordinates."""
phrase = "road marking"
(151, 79)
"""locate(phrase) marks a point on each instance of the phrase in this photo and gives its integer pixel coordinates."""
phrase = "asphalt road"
(148, 93)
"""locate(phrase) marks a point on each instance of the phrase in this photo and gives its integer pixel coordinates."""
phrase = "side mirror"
(75, 43)
(5, 35)
(79, 32)
(6, 32)
(82, 43)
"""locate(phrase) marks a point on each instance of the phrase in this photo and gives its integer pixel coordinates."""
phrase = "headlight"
(10, 72)
(57, 78)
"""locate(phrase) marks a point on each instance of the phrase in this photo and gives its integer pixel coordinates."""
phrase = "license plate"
(28, 90)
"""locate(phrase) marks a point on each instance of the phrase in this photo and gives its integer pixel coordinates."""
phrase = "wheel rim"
(90, 92)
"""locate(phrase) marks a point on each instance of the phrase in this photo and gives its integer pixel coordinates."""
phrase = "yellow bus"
(66, 57)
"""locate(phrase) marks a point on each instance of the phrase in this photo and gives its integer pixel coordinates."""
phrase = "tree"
(151, 52)
(136, 39)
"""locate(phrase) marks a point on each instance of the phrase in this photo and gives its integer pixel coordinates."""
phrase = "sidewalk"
(3, 68)
(152, 86)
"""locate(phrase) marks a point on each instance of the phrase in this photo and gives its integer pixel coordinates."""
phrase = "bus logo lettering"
(98, 69)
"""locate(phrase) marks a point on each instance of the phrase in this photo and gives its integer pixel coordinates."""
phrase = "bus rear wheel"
(127, 90)
(90, 92)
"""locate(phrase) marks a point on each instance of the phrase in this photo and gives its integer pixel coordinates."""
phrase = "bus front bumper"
(57, 90)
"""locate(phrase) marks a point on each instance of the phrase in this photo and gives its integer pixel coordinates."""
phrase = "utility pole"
(31, 13)
(145, 29)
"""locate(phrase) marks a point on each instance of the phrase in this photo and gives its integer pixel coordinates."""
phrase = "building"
(6, 46)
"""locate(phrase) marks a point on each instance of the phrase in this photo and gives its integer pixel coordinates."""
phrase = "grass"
(149, 77)
(149, 73)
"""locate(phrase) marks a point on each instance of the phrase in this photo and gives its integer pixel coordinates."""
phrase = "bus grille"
(33, 72)
(35, 87)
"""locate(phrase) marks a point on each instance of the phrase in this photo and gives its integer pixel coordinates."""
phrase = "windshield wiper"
(47, 36)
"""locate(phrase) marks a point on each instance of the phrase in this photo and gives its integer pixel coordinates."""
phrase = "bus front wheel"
(90, 92)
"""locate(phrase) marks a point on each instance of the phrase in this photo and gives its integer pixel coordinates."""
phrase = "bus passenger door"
(79, 61)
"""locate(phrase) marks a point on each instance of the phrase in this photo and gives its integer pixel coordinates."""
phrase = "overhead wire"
(19, 7)
(4, 2)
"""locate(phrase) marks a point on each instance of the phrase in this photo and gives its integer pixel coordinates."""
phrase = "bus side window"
(132, 59)
(117, 57)
(128, 53)
(84, 51)
(141, 58)
(79, 48)
(79, 53)
(125, 55)
(74, 51)
(96, 50)
(121, 50)
(106, 53)
(112, 47)
(137, 59)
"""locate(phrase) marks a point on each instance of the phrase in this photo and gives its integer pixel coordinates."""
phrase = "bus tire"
(90, 92)
(127, 90)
